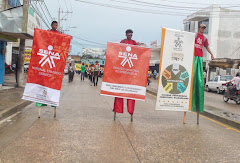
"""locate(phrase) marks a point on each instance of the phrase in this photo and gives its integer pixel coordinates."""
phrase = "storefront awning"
(11, 23)
(221, 63)
(7, 38)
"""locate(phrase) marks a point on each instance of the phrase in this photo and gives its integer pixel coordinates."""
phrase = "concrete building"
(15, 25)
(222, 31)
(94, 52)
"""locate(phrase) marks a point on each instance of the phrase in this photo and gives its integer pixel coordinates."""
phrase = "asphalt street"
(84, 131)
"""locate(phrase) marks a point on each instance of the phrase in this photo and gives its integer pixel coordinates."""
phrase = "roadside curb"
(222, 119)
(209, 114)
(11, 110)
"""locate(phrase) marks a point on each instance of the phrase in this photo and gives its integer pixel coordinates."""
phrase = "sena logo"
(127, 57)
(48, 56)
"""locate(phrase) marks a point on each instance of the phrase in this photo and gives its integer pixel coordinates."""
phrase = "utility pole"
(20, 70)
(59, 19)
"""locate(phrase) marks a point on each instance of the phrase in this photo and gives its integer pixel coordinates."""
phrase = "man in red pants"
(118, 103)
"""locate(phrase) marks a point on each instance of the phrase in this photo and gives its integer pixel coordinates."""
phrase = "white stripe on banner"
(41, 94)
(123, 88)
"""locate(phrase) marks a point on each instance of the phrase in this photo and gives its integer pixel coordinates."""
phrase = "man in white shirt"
(236, 84)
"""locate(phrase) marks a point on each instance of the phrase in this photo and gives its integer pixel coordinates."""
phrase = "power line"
(138, 4)
(48, 11)
(40, 15)
(66, 4)
(160, 4)
(175, 7)
(59, 4)
(148, 11)
(45, 14)
(185, 2)
(84, 45)
(132, 9)
(88, 41)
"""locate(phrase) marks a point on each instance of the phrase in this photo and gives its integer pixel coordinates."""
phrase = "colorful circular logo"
(175, 79)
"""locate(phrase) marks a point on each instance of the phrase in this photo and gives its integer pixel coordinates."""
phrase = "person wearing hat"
(198, 81)
(96, 73)
(118, 102)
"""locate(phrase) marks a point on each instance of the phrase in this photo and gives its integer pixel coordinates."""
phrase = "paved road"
(212, 99)
(84, 131)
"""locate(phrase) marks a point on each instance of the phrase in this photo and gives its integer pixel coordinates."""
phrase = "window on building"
(207, 24)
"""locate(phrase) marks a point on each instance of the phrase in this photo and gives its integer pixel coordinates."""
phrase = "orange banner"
(126, 71)
(46, 69)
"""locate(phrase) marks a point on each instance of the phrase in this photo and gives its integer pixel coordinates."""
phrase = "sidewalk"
(10, 97)
(228, 113)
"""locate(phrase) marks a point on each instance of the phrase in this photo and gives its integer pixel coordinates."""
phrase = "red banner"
(126, 71)
(46, 69)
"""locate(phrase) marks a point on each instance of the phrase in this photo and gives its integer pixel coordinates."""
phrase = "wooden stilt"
(114, 117)
(131, 117)
(39, 112)
(197, 117)
(184, 118)
(55, 111)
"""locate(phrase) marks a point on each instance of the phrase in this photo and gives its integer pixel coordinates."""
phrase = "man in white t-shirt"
(236, 84)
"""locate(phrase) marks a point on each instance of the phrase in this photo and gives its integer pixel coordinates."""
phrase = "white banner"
(123, 88)
(176, 69)
(42, 94)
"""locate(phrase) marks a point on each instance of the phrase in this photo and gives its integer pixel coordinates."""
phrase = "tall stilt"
(197, 117)
(114, 116)
(184, 118)
(55, 111)
(39, 112)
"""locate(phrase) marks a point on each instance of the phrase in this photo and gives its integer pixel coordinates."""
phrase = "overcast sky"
(101, 24)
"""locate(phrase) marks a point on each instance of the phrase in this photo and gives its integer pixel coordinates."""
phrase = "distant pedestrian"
(155, 74)
(198, 82)
(96, 73)
(118, 103)
(204, 76)
(82, 71)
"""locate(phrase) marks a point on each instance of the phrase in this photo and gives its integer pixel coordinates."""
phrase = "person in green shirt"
(82, 71)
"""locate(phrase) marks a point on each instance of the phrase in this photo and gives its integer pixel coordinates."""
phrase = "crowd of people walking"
(93, 72)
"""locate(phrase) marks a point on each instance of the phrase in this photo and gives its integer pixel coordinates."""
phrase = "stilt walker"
(198, 81)
(118, 102)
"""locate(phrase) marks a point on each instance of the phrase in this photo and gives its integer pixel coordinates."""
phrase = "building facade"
(222, 31)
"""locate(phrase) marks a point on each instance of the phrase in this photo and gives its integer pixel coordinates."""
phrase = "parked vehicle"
(65, 71)
(227, 95)
(26, 66)
(215, 84)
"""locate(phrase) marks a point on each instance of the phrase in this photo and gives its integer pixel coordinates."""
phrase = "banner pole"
(184, 118)
(114, 116)
(39, 112)
(55, 111)
(197, 117)
(131, 117)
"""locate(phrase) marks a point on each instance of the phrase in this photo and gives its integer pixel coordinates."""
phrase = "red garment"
(126, 41)
(118, 105)
(199, 43)
(53, 30)
(118, 102)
